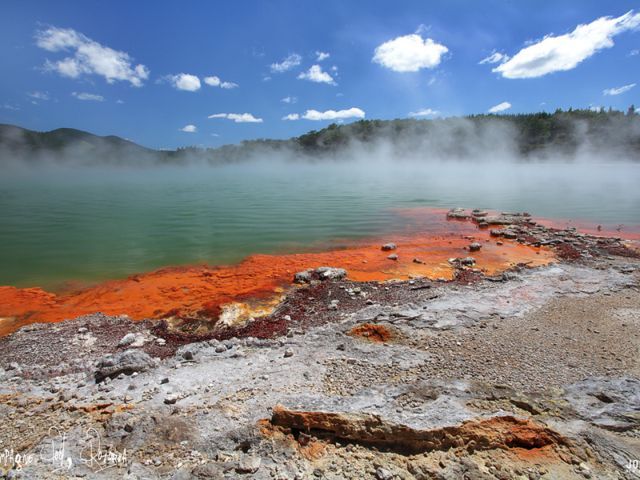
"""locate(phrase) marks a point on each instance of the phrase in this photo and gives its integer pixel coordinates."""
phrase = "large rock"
(127, 362)
(320, 273)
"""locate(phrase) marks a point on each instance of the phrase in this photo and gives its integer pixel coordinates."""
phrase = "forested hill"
(523, 136)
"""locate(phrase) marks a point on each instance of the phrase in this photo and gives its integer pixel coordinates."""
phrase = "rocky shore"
(532, 373)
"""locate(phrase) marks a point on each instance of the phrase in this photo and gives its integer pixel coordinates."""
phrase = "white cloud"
(39, 95)
(565, 52)
(634, 52)
(290, 99)
(425, 112)
(214, 81)
(618, 90)
(288, 63)
(409, 53)
(89, 57)
(333, 114)
(501, 107)
(291, 116)
(237, 117)
(316, 74)
(185, 81)
(6, 106)
(320, 56)
(92, 97)
(119, 102)
(495, 57)
(189, 129)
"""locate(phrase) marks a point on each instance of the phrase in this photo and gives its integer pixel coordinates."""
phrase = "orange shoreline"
(204, 291)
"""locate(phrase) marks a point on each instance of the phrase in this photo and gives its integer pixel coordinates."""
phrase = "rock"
(171, 399)
(187, 355)
(302, 277)
(331, 273)
(132, 340)
(288, 353)
(126, 362)
(417, 260)
(221, 349)
(458, 213)
(393, 256)
(128, 339)
(320, 273)
(383, 474)
(248, 464)
(475, 247)
(388, 246)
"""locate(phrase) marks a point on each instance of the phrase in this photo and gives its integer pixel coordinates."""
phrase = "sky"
(170, 74)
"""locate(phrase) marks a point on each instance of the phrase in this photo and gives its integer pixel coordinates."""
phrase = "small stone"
(388, 247)
(393, 256)
(187, 355)
(383, 474)
(288, 353)
(474, 247)
(249, 464)
(171, 399)
(221, 348)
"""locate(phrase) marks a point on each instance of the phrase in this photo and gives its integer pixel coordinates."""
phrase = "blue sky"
(117, 67)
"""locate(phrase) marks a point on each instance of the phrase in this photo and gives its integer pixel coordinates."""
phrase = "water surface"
(87, 225)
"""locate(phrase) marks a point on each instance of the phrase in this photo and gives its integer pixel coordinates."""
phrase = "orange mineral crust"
(254, 285)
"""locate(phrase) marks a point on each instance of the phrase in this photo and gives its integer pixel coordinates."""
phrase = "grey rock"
(126, 362)
(475, 247)
(388, 247)
(248, 464)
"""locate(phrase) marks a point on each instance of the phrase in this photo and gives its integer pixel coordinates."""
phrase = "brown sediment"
(372, 332)
(253, 287)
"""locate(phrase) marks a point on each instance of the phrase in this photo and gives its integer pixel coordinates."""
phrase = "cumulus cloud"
(316, 74)
(237, 117)
(565, 52)
(189, 129)
(495, 57)
(327, 115)
(501, 107)
(288, 63)
(89, 57)
(320, 56)
(618, 90)
(92, 97)
(185, 81)
(214, 81)
(290, 99)
(425, 112)
(409, 53)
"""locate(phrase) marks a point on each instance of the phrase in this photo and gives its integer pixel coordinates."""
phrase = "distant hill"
(68, 145)
(562, 134)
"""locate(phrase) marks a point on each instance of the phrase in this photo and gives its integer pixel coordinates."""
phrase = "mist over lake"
(89, 224)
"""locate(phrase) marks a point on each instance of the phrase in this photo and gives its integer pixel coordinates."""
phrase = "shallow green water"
(88, 225)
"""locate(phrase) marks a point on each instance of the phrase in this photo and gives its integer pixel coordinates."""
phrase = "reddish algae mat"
(258, 282)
